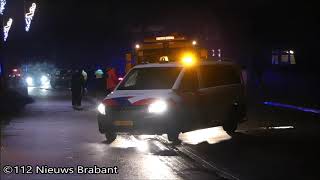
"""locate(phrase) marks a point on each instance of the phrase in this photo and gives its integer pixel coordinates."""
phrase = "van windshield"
(150, 78)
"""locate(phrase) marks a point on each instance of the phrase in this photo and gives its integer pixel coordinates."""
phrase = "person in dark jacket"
(77, 83)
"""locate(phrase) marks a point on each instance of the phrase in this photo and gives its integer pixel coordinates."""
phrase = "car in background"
(172, 98)
(16, 82)
(37, 79)
(61, 78)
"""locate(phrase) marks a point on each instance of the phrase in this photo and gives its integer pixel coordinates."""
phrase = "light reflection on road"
(154, 168)
(38, 91)
(125, 141)
(278, 127)
(143, 143)
(211, 135)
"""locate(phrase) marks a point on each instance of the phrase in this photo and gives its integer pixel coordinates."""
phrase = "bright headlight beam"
(44, 79)
(102, 109)
(158, 106)
(29, 81)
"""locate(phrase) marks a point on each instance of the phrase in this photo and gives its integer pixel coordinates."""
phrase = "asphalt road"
(49, 133)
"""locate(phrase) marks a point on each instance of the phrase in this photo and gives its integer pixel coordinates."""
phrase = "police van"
(172, 98)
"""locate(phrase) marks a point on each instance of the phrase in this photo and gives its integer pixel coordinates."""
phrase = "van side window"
(218, 75)
(189, 81)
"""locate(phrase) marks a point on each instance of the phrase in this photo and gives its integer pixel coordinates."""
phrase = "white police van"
(172, 98)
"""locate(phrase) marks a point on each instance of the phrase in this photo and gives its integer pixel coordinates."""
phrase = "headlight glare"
(158, 107)
(29, 81)
(44, 79)
(102, 109)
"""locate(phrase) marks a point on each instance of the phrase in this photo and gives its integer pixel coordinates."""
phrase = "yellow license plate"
(123, 123)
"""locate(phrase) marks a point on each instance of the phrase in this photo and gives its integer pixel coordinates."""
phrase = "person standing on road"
(85, 79)
(99, 84)
(77, 83)
(244, 74)
(112, 79)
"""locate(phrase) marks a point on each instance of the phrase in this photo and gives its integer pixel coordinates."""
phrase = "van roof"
(176, 64)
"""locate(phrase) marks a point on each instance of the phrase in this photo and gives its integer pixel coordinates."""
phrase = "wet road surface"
(49, 132)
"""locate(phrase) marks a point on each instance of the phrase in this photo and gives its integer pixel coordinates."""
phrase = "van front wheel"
(174, 137)
(110, 136)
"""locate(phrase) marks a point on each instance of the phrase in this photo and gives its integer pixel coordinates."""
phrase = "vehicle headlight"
(159, 106)
(29, 81)
(102, 109)
(44, 79)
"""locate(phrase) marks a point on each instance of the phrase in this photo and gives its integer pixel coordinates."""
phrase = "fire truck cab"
(163, 48)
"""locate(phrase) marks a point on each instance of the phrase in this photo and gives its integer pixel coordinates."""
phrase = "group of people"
(103, 84)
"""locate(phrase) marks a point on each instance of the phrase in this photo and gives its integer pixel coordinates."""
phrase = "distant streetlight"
(137, 46)
(194, 43)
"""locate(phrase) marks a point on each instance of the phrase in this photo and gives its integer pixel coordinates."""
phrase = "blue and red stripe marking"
(144, 102)
(124, 101)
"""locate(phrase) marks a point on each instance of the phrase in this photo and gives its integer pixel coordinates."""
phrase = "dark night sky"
(101, 31)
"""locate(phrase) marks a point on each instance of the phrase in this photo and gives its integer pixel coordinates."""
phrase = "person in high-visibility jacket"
(112, 79)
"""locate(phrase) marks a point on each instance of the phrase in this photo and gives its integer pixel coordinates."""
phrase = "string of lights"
(6, 29)
(7, 25)
(29, 16)
(2, 6)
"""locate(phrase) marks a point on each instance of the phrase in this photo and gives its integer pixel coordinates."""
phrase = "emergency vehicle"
(16, 82)
(15, 78)
(174, 97)
(61, 78)
(163, 47)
